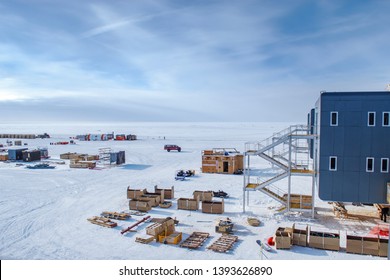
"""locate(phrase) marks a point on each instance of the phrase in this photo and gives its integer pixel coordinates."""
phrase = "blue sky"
(171, 60)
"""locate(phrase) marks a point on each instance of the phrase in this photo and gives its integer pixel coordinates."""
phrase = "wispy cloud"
(193, 59)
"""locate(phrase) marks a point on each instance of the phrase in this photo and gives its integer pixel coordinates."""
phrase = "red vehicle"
(172, 148)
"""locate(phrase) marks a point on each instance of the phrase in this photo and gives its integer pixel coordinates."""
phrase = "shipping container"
(16, 154)
(31, 155)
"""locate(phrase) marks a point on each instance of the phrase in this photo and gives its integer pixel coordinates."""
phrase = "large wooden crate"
(155, 229)
(213, 207)
(3, 157)
(203, 195)
(370, 246)
(324, 240)
(354, 244)
(364, 245)
(282, 240)
(153, 199)
(143, 206)
(134, 193)
(299, 201)
(383, 247)
(188, 204)
(299, 236)
(82, 164)
(168, 193)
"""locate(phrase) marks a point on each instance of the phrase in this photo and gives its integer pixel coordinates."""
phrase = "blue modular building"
(16, 153)
(352, 150)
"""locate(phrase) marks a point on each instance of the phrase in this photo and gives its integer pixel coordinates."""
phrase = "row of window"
(334, 118)
(369, 164)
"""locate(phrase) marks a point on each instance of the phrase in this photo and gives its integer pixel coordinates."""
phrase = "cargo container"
(31, 155)
(16, 154)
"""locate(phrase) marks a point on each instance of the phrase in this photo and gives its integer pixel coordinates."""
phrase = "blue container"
(16, 154)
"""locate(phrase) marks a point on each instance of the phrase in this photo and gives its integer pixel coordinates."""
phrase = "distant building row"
(106, 137)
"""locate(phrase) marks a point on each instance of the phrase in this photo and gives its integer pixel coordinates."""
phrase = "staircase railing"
(292, 130)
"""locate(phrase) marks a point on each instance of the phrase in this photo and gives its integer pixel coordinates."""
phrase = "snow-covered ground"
(43, 213)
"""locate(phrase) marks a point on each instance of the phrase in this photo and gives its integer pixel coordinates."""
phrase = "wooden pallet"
(195, 240)
(144, 239)
(101, 221)
(223, 244)
(115, 215)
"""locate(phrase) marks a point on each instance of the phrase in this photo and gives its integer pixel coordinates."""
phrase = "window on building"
(332, 163)
(371, 118)
(334, 118)
(370, 164)
(385, 119)
(384, 165)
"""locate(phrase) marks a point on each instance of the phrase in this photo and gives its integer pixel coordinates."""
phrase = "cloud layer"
(186, 60)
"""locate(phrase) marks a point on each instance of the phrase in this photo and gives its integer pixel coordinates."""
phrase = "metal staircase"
(285, 150)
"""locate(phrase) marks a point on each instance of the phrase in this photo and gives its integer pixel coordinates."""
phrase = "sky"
(176, 60)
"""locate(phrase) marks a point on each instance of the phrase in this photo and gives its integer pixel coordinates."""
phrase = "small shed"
(118, 157)
(222, 160)
(31, 155)
(16, 154)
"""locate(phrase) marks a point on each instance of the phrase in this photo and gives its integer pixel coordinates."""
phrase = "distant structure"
(352, 151)
(222, 160)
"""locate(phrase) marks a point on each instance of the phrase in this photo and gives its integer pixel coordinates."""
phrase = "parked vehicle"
(172, 148)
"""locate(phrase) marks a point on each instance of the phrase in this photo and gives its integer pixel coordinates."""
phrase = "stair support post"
(289, 173)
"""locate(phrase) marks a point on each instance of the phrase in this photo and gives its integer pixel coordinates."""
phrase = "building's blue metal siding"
(352, 141)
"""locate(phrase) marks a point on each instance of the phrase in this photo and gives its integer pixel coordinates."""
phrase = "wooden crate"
(354, 244)
(159, 228)
(153, 199)
(203, 195)
(370, 246)
(134, 193)
(82, 164)
(168, 193)
(282, 240)
(213, 207)
(144, 239)
(299, 236)
(383, 247)
(188, 204)
(143, 206)
(324, 240)
(3, 157)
